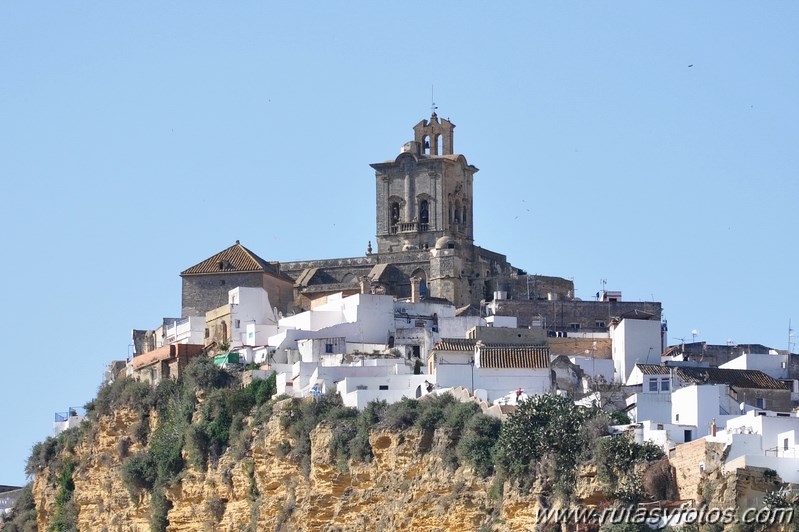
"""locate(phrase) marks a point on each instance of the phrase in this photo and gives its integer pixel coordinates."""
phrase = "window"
(599, 324)
(665, 384)
(653, 385)
(785, 444)
(384, 386)
(687, 436)
(207, 332)
(328, 348)
(574, 326)
(424, 212)
(761, 403)
(238, 324)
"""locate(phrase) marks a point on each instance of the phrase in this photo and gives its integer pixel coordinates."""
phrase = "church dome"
(446, 242)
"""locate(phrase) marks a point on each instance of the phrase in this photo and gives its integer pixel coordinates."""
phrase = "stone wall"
(202, 293)
(592, 316)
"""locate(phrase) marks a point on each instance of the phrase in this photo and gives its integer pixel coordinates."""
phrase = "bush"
(401, 415)
(617, 455)
(123, 392)
(545, 425)
(139, 472)
(477, 445)
(202, 374)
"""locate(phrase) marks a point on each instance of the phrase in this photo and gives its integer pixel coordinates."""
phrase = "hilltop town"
(426, 312)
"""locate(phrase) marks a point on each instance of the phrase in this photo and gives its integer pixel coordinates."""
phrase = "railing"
(73, 411)
(409, 227)
(781, 452)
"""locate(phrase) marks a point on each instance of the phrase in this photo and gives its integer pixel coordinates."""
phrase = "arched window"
(395, 213)
(422, 276)
(224, 332)
(439, 145)
(424, 212)
(426, 145)
(457, 213)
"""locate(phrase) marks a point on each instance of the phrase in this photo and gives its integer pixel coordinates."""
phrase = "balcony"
(409, 227)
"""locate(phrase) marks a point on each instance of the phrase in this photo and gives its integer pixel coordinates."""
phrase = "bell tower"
(425, 193)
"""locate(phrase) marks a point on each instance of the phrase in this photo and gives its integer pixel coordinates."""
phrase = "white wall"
(634, 341)
(502, 321)
(458, 326)
(595, 366)
(699, 405)
(773, 365)
(655, 407)
(410, 386)
(665, 435)
(497, 382)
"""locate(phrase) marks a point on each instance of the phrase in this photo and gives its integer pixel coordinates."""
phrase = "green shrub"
(202, 374)
(123, 392)
(401, 415)
(476, 446)
(545, 425)
(139, 472)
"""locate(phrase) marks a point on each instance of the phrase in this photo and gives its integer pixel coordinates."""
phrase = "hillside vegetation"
(207, 435)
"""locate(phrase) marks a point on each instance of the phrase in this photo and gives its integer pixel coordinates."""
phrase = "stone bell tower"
(425, 193)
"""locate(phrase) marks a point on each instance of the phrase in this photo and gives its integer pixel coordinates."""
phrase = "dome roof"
(446, 242)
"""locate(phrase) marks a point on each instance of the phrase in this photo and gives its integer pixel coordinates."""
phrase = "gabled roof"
(312, 276)
(236, 258)
(527, 357)
(468, 310)
(455, 344)
(653, 369)
(740, 378)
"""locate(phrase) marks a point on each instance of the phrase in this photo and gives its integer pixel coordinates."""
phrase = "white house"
(189, 330)
(634, 341)
(490, 371)
(652, 401)
(763, 439)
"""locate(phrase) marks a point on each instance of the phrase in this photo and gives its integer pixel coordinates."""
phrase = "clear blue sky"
(138, 138)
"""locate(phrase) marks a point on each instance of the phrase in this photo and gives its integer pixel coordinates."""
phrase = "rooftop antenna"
(694, 334)
(433, 105)
(790, 336)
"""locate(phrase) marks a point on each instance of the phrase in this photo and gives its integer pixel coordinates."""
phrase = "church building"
(424, 231)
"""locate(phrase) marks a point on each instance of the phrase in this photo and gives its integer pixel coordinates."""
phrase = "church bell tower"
(425, 193)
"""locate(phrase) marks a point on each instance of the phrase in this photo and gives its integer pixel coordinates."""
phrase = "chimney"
(415, 289)
(364, 284)
(713, 427)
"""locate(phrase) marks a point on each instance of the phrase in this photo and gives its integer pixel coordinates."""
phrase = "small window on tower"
(424, 212)
(328, 348)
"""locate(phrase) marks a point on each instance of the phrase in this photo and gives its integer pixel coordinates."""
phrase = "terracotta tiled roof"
(455, 344)
(534, 357)
(653, 369)
(741, 378)
(236, 258)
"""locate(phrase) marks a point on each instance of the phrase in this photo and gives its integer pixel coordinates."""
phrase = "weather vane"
(433, 105)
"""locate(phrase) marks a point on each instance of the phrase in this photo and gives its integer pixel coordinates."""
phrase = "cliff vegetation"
(204, 453)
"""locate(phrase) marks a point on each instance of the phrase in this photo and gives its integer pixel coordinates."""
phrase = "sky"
(649, 144)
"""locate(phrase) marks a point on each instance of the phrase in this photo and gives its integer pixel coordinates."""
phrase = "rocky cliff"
(408, 485)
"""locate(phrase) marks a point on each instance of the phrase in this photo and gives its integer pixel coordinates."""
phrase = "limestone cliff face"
(407, 486)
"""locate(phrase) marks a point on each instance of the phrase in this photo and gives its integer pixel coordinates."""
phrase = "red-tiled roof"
(740, 378)
(236, 258)
(455, 344)
(164, 353)
(529, 357)
(653, 369)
